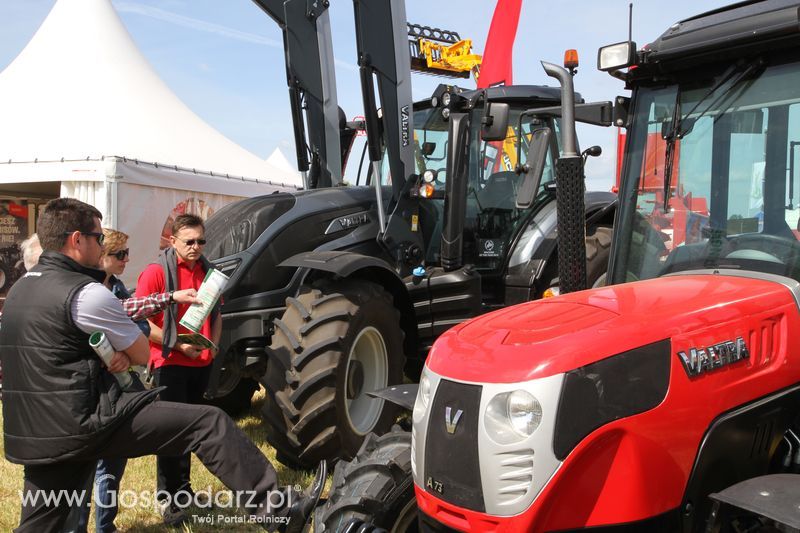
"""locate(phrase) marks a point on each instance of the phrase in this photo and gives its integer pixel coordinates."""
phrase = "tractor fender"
(773, 496)
(346, 264)
(402, 395)
(337, 262)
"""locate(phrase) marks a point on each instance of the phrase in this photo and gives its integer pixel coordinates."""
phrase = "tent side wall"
(146, 214)
(137, 198)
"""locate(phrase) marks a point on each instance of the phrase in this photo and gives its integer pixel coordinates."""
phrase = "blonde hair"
(115, 241)
(31, 250)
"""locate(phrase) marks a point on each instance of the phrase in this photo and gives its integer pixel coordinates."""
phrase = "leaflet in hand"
(208, 294)
(198, 339)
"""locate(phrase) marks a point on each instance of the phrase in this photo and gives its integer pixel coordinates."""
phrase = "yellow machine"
(441, 52)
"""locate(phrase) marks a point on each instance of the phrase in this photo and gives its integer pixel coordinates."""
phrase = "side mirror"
(428, 148)
(534, 167)
(592, 151)
(495, 122)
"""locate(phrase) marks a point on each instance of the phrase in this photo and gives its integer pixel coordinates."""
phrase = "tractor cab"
(493, 161)
(710, 162)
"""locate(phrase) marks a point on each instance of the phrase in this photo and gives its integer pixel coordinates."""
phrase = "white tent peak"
(279, 160)
(82, 90)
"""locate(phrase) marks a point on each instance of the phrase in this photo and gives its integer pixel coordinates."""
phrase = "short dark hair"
(62, 216)
(187, 221)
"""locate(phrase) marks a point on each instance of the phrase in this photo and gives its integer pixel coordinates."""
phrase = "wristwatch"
(171, 297)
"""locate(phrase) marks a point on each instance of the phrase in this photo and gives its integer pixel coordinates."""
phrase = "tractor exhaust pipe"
(455, 203)
(570, 203)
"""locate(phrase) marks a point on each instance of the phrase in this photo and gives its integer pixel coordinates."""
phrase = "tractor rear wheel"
(333, 345)
(376, 487)
(598, 251)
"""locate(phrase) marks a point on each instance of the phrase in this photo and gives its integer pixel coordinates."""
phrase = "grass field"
(140, 476)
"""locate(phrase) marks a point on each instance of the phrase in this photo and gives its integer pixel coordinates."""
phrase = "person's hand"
(191, 351)
(119, 363)
(186, 296)
(214, 352)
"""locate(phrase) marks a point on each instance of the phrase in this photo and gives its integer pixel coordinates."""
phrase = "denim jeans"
(106, 498)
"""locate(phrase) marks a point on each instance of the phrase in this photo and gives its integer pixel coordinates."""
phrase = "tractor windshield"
(710, 163)
(492, 217)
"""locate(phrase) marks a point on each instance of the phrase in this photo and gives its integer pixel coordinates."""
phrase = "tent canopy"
(81, 90)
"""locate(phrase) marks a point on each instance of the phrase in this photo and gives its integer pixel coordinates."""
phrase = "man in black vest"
(62, 410)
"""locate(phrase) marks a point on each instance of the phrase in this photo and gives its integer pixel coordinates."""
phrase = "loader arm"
(310, 76)
(384, 60)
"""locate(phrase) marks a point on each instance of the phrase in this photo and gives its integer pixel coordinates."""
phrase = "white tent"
(279, 160)
(85, 115)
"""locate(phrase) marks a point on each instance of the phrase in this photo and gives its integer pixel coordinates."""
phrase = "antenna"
(630, 22)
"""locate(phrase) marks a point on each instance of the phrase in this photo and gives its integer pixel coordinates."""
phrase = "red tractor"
(668, 400)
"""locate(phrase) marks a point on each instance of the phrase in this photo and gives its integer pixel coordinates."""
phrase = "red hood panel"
(546, 337)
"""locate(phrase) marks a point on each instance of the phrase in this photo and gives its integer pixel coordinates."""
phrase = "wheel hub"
(355, 380)
(367, 370)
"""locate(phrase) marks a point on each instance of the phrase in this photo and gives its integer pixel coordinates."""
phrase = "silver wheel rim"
(368, 351)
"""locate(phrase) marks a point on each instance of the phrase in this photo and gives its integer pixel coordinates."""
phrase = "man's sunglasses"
(192, 242)
(99, 236)
(122, 254)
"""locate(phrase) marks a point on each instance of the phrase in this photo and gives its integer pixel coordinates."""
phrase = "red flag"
(498, 55)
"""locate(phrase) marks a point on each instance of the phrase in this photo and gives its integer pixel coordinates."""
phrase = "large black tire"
(598, 252)
(376, 487)
(316, 406)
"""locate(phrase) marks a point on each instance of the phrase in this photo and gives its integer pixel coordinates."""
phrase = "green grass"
(140, 475)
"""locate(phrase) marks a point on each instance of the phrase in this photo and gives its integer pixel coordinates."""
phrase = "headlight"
(423, 397)
(426, 190)
(446, 99)
(616, 56)
(512, 416)
(429, 176)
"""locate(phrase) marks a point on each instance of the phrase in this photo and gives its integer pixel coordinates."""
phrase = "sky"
(224, 58)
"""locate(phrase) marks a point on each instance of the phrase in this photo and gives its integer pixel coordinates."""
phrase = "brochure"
(198, 339)
(208, 294)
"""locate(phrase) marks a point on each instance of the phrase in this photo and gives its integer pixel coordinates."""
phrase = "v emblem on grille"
(449, 422)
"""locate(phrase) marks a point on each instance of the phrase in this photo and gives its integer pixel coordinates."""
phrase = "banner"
(13, 230)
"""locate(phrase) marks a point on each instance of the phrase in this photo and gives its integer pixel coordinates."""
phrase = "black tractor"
(338, 291)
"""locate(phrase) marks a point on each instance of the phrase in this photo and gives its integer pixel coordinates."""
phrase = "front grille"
(515, 477)
(452, 467)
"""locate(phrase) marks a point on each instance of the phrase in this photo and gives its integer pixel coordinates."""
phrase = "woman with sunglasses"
(116, 256)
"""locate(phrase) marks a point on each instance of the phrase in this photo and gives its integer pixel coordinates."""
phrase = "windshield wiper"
(737, 73)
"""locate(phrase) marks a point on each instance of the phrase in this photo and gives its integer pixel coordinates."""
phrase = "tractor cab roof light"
(571, 59)
(616, 56)
(446, 99)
